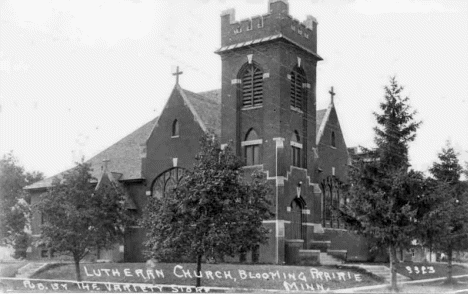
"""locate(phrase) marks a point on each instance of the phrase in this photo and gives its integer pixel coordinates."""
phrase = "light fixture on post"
(298, 189)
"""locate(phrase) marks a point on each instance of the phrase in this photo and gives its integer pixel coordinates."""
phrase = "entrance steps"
(326, 259)
(380, 271)
(30, 269)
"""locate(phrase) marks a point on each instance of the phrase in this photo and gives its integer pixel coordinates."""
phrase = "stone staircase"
(327, 256)
(30, 269)
(380, 271)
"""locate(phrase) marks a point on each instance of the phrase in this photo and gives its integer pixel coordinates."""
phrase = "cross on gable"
(332, 94)
(177, 74)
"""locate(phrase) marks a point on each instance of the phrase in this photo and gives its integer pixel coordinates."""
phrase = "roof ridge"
(203, 97)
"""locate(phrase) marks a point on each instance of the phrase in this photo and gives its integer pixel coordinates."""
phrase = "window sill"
(296, 110)
(251, 142)
(174, 137)
(332, 147)
(253, 166)
(251, 107)
(299, 168)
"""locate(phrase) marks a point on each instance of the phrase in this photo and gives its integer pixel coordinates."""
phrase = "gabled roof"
(319, 119)
(124, 156)
(111, 177)
(206, 107)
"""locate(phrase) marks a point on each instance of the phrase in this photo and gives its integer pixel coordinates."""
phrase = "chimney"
(278, 6)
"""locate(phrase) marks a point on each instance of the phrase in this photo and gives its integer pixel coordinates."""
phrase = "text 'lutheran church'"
(267, 107)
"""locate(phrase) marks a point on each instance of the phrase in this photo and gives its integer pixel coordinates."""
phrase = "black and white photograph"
(234, 146)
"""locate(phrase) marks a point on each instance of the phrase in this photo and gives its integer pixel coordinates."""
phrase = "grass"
(9, 270)
(420, 271)
(220, 275)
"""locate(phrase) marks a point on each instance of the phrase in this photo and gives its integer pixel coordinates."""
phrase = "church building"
(267, 107)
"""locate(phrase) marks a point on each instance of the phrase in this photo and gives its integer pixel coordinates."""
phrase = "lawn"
(419, 271)
(220, 275)
(9, 269)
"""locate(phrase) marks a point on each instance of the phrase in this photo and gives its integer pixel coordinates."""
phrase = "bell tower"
(269, 110)
(268, 84)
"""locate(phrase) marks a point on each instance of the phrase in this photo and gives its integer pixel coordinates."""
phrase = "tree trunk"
(449, 279)
(199, 258)
(393, 256)
(77, 269)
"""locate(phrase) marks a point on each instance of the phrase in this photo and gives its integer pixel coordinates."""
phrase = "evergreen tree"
(447, 219)
(213, 212)
(80, 218)
(383, 194)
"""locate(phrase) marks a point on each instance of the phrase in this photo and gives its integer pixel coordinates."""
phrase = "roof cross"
(177, 74)
(332, 94)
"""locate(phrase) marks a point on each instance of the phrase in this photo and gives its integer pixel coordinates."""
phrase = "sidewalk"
(417, 286)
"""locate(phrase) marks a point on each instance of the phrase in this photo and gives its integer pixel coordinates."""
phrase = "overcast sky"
(77, 76)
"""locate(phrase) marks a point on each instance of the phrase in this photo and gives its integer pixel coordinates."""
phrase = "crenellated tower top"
(277, 23)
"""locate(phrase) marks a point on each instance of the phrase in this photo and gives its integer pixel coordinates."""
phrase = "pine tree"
(447, 219)
(213, 212)
(382, 192)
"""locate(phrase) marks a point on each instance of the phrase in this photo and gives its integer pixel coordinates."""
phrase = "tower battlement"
(276, 22)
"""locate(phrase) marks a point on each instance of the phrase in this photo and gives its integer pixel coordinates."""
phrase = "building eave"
(264, 40)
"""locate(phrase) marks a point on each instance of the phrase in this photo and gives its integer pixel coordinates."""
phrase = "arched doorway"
(167, 180)
(298, 206)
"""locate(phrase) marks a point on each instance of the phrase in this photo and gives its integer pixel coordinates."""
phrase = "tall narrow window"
(175, 128)
(333, 140)
(296, 148)
(252, 86)
(252, 148)
(297, 92)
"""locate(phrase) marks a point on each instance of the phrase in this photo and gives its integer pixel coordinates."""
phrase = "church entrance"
(298, 219)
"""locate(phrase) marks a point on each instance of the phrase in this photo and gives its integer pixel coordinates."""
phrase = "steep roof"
(319, 119)
(208, 107)
(124, 156)
(320, 128)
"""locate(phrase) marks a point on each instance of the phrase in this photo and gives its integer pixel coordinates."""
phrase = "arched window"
(252, 148)
(167, 180)
(297, 92)
(333, 140)
(296, 148)
(175, 128)
(252, 86)
(251, 135)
